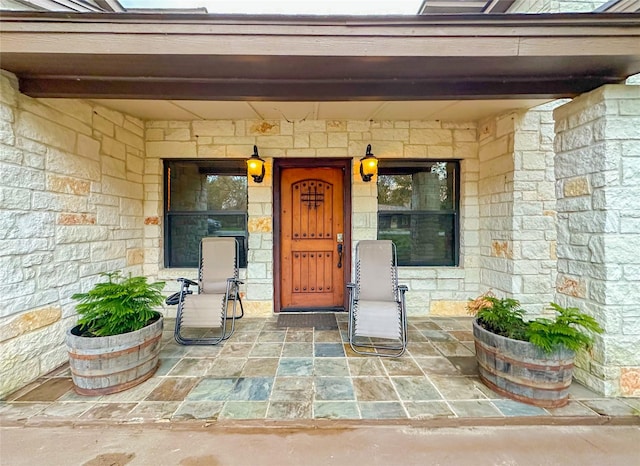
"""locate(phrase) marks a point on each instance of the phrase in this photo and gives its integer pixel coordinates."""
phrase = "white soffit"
(450, 110)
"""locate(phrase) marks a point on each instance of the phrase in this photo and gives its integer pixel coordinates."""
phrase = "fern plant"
(119, 305)
(570, 327)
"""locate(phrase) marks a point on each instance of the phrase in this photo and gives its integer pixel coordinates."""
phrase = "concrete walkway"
(219, 445)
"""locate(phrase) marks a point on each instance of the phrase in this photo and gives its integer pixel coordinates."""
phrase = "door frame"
(278, 166)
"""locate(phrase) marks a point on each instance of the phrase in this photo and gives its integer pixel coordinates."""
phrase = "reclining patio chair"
(214, 305)
(377, 310)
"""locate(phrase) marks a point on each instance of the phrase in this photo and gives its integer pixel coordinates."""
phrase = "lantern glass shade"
(255, 166)
(368, 165)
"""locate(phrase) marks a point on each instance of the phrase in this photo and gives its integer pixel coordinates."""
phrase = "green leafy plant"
(119, 305)
(505, 317)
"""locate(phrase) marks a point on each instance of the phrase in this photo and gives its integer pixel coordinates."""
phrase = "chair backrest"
(376, 275)
(218, 262)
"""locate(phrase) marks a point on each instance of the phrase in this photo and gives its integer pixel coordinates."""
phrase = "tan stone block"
(571, 286)
(135, 164)
(358, 126)
(45, 131)
(103, 125)
(65, 184)
(177, 134)
(112, 115)
(431, 136)
(502, 249)
(8, 88)
(448, 308)
(336, 125)
(113, 167)
(110, 146)
(212, 150)
(76, 219)
(630, 381)
(154, 134)
(29, 321)
(576, 187)
(153, 220)
(440, 152)
(134, 125)
(129, 138)
(72, 165)
(415, 151)
(135, 256)
(55, 115)
(171, 149)
(264, 128)
(257, 308)
(213, 128)
(88, 147)
(332, 152)
(76, 109)
(283, 142)
(260, 225)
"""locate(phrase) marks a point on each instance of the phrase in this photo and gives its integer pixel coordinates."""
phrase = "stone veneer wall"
(433, 289)
(555, 6)
(517, 206)
(70, 207)
(598, 187)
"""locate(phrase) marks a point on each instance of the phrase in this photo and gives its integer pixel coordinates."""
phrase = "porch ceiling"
(208, 66)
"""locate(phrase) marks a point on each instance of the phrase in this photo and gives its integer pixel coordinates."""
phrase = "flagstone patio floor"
(269, 373)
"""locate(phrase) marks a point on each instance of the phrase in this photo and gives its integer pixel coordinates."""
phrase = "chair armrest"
(403, 288)
(186, 282)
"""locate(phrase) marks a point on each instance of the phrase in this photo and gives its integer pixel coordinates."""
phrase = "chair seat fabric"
(378, 319)
(203, 310)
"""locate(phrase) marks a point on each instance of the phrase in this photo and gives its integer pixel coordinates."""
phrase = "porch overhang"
(267, 58)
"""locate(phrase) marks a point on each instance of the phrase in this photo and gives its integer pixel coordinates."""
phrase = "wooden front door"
(312, 229)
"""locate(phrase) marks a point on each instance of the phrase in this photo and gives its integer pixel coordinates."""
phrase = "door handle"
(339, 255)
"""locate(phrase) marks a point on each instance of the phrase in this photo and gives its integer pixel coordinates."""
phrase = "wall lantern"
(255, 166)
(368, 165)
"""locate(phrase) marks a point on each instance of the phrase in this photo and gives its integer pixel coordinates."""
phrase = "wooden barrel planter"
(523, 372)
(104, 365)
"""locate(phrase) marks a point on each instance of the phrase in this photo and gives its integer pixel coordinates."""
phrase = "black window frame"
(235, 165)
(410, 166)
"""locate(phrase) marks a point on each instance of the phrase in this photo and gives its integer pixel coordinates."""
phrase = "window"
(203, 198)
(418, 209)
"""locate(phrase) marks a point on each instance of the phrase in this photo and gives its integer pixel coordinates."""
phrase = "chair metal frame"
(232, 292)
(389, 346)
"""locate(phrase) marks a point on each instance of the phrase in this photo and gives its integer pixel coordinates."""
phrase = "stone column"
(597, 169)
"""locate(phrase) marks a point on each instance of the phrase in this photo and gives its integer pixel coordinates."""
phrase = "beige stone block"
(264, 128)
(425, 124)
(630, 381)
(104, 126)
(506, 124)
(283, 142)
(243, 151)
(317, 140)
(47, 132)
(440, 152)
(88, 147)
(231, 140)
(135, 164)
(494, 148)
(67, 185)
(336, 125)
(134, 125)
(135, 256)
(300, 152)
(260, 225)
(415, 151)
(171, 149)
(431, 136)
(9, 88)
(154, 134)
(355, 126)
(76, 109)
(36, 107)
(310, 126)
(120, 187)
(257, 308)
(129, 138)
(113, 116)
(72, 165)
(465, 135)
(385, 149)
(110, 146)
(212, 150)
(113, 167)
(156, 124)
(176, 134)
(570, 286)
(576, 187)
(301, 141)
(390, 134)
(332, 152)
(448, 308)
(213, 128)
(29, 321)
